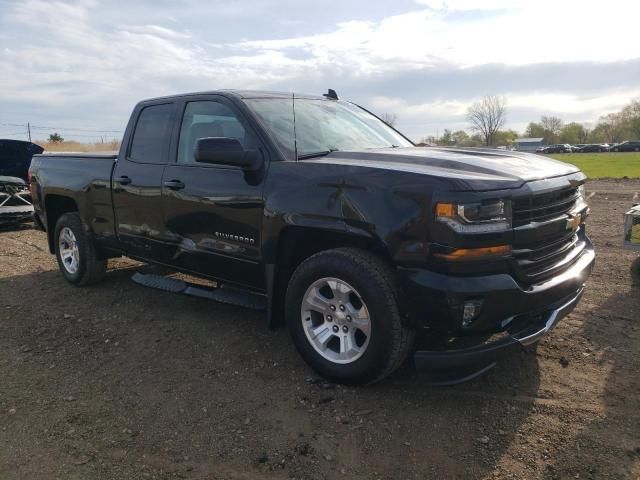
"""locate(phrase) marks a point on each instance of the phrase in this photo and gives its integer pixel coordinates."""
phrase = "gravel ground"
(120, 381)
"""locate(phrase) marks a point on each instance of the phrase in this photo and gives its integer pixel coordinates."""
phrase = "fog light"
(470, 312)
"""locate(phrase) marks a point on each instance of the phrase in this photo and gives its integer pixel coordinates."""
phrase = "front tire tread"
(378, 277)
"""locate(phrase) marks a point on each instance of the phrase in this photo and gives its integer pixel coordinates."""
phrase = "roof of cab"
(241, 94)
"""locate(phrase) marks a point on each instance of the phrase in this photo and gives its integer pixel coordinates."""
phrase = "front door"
(213, 213)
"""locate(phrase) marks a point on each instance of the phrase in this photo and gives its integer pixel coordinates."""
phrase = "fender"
(311, 207)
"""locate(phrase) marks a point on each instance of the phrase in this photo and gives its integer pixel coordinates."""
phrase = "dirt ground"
(117, 381)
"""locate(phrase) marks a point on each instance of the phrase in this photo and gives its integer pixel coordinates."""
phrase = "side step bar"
(221, 294)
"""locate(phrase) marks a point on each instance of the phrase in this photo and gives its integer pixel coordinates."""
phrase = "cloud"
(87, 62)
(457, 5)
(522, 108)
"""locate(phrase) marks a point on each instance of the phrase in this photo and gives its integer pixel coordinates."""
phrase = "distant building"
(529, 144)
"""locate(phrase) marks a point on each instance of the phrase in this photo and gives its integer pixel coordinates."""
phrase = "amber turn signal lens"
(445, 210)
(473, 253)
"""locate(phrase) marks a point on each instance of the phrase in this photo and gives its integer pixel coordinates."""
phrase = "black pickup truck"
(356, 238)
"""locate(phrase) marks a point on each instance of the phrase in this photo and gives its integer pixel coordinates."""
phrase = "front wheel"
(344, 318)
(75, 252)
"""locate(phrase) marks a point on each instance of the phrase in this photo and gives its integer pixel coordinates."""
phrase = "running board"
(222, 294)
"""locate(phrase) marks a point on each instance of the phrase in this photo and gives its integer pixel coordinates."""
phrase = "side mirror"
(225, 151)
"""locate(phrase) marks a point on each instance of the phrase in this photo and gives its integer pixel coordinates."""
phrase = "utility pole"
(29, 130)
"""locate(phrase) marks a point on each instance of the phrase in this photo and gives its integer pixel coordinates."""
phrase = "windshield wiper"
(317, 154)
(379, 148)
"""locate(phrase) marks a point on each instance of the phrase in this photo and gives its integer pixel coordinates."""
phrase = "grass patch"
(604, 165)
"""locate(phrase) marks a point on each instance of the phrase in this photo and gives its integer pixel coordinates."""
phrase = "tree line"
(487, 118)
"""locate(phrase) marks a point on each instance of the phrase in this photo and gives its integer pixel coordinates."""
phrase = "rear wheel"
(75, 252)
(343, 315)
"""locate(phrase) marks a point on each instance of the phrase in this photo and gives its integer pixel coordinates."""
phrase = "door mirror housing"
(225, 151)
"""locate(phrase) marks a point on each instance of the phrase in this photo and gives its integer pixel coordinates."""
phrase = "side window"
(150, 142)
(209, 119)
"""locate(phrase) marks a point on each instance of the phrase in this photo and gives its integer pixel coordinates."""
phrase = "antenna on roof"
(331, 94)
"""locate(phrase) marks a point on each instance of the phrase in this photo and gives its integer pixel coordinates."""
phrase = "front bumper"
(523, 313)
(16, 214)
(449, 367)
(436, 300)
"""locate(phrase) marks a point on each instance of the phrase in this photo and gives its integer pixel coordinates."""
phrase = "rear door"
(213, 213)
(137, 180)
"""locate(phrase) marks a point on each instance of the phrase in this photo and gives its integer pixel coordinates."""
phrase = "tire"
(75, 252)
(371, 293)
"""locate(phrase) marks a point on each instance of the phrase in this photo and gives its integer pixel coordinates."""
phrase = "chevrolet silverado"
(355, 238)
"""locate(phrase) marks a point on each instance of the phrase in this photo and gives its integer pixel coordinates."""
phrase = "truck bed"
(83, 178)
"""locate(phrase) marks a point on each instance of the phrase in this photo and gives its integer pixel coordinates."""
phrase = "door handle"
(124, 180)
(174, 184)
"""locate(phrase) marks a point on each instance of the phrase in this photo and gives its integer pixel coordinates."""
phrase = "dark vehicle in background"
(633, 146)
(594, 147)
(15, 157)
(15, 198)
(577, 148)
(560, 148)
(348, 232)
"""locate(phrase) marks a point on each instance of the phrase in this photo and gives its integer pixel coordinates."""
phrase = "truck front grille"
(544, 206)
(15, 199)
(541, 260)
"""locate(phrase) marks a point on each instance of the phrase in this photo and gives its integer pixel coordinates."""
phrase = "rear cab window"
(152, 133)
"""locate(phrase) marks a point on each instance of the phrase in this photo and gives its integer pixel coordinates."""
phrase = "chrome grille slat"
(548, 253)
(545, 269)
(561, 204)
(543, 206)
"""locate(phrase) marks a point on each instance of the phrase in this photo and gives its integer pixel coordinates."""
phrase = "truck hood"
(469, 169)
(4, 180)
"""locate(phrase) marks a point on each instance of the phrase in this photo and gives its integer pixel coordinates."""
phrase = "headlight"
(581, 201)
(477, 217)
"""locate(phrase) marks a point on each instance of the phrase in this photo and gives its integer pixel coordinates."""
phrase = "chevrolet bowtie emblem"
(573, 222)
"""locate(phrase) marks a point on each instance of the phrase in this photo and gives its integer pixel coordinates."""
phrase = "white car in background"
(632, 228)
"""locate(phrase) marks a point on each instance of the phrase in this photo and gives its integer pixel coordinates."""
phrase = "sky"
(80, 66)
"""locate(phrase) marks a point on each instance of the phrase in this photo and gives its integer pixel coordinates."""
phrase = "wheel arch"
(56, 206)
(297, 243)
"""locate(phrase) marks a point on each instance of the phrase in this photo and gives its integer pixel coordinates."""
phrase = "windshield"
(323, 126)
